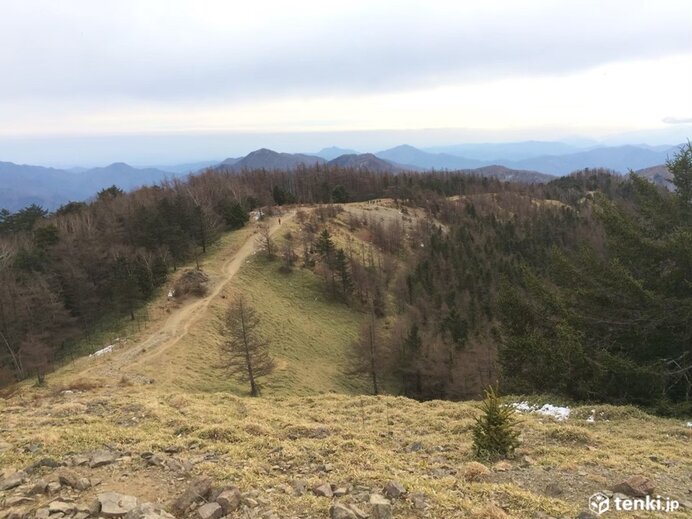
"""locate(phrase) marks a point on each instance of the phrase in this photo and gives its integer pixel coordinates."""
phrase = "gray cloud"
(103, 50)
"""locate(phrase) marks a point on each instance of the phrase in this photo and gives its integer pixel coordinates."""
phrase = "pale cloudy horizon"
(160, 82)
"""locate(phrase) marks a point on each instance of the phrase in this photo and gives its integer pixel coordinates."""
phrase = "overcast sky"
(242, 73)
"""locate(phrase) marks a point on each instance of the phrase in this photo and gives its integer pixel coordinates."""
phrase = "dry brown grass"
(267, 442)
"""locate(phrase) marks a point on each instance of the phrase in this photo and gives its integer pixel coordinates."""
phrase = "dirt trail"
(178, 324)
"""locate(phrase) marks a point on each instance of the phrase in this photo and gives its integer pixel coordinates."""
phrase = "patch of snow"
(689, 424)
(559, 413)
(102, 351)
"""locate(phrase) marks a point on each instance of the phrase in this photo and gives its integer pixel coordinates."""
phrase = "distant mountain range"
(616, 158)
(531, 161)
(272, 160)
(22, 185)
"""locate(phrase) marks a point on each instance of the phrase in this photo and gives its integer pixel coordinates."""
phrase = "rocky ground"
(136, 452)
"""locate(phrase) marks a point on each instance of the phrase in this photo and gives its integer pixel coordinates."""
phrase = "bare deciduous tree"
(265, 241)
(367, 353)
(248, 352)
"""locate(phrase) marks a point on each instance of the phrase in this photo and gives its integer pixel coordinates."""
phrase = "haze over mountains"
(531, 161)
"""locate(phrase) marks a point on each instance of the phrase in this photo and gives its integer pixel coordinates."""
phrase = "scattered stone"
(53, 487)
(44, 462)
(18, 501)
(153, 460)
(13, 481)
(73, 480)
(502, 466)
(360, 514)
(394, 489)
(250, 502)
(323, 490)
(42, 513)
(420, 502)
(101, 458)
(381, 507)
(635, 486)
(210, 511)
(61, 506)
(553, 490)
(92, 508)
(148, 511)
(414, 447)
(40, 487)
(171, 449)
(339, 511)
(116, 505)
(198, 489)
(229, 500)
(339, 491)
(80, 460)
(299, 487)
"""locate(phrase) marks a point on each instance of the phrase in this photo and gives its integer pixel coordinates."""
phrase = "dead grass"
(264, 442)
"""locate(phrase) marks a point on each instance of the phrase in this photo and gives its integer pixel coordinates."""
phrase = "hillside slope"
(158, 413)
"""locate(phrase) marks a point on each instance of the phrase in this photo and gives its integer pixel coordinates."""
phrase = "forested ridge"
(579, 287)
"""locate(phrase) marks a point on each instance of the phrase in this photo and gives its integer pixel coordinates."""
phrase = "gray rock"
(42, 513)
(339, 511)
(210, 511)
(199, 489)
(340, 491)
(80, 460)
(420, 502)
(359, 513)
(381, 507)
(415, 447)
(53, 487)
(323, 490)
(40, 487)
(229, 500)
(61, 506)
(394, 489)
(44, 462)
(250, 502)
(116, 505)
(13, 480)
(299, 487)
(101, 458)
(148, 511)
(18, 501)
(635, 486)
(73, 480)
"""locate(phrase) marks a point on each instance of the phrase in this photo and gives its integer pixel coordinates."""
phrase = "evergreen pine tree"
(494, 434)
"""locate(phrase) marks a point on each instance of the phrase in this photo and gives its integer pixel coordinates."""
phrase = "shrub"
(494, 434)
(192, 282)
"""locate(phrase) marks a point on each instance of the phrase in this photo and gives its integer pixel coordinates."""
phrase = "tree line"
(63, 275)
